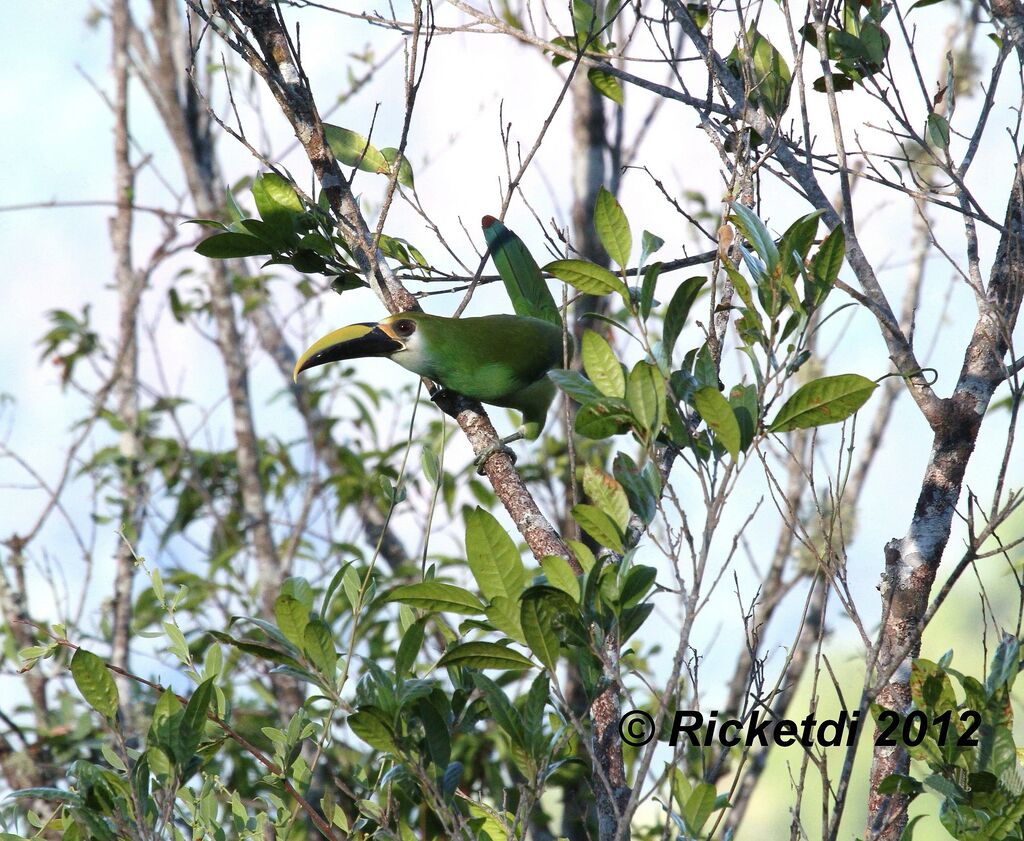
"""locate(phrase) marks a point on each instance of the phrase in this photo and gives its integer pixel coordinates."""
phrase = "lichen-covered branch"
(273, 58)
(912, 561)
(126, 388)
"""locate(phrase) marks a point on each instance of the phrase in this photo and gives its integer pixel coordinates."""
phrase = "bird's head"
(382, 338)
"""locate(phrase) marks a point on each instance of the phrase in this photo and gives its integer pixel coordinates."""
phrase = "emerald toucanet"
(502, 360)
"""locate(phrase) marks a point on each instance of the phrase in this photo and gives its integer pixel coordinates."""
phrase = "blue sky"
(57, 146)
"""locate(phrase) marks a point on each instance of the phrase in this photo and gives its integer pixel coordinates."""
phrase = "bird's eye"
(405, 327)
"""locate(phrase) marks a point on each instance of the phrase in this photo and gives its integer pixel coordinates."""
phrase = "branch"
(900, 350)
(276, 63)
(912, 562)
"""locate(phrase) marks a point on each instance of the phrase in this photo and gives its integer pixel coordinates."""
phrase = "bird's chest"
(471, 374)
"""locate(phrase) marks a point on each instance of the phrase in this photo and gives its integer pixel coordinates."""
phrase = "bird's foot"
(498, 446)
(439, 393)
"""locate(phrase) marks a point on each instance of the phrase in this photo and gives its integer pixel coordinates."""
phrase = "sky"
(57, 146)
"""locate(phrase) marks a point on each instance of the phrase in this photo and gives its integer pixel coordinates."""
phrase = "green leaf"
(438, 735)
(771, 75)
(797, 241)
(412, 642)
(602, 366)
(606, 84)
(372, 730)
(678, 309)
(827, 262)
(178, 646)
(573, 383)
(450, 780)
(739, 283)
(113, 760)
(649, 244)
(390, 154)
(699, 13)
(938, 131)
(607, 494)
(437, 596)
(876, 44)
(538, 616)
(501, 708)
(503, 614)
(718, 415)
(430, 464)
(699, 806)
(651, 274)
(485, 655)
(584, 20)
(165, 724)
(743, 399)
(227, 246)
(612, 227)
(586, 277)
(840, 82)
(257, 649)
(1002, 672)
(353, 149)
(48, 793)
(823, 401)
(280, 192)
(584, 556)
(292, 617)
(642, 500)
(645, 394)
(277, 203)
(599, 526)
(493, 558)
(754, 230)
(193, 722)
(95, 683)
(533, 715)
(603, 418)
(639, 581)
(763, 71)
(318, 644)
(560, 575)
(563, 43)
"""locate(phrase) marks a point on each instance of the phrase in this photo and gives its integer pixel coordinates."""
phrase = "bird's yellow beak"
(352, 342)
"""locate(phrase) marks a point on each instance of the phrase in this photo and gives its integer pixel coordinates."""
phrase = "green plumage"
(520, 273)
(502, 360)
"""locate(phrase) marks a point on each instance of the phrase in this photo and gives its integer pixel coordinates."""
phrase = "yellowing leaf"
(612, 227)
(823, 401)
(718, 415)
(352, 149)
(607, 494)
(95, 683)
(606, 84)
(602, 366)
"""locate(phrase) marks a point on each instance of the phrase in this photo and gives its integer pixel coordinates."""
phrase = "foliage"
(392, 661)
(968, 747)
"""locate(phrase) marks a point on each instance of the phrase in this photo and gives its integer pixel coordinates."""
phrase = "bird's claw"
(438, 393)
(498, 447)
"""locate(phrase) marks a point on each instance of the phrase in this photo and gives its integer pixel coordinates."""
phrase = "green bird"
(501, 360)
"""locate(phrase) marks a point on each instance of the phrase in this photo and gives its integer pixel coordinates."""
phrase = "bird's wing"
(492, 356)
